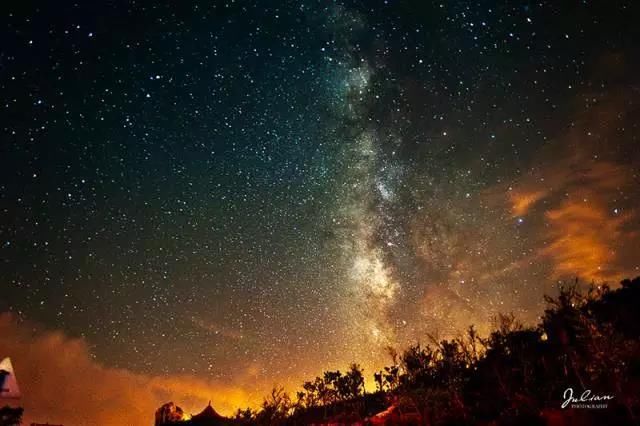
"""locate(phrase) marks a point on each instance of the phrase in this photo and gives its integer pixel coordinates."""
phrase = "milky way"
(254, 194)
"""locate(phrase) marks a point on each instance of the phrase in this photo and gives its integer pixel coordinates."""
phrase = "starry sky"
(255, 192)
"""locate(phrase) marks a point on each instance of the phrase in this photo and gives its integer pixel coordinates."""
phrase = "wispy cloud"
(62, 383)
(582, 190)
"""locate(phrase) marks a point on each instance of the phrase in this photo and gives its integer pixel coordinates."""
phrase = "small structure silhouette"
(170, 414)
(208, 417)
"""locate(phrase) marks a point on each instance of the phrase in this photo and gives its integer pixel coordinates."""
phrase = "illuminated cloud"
(585, 237)
(583, 197)
(522, 202)
(569, 214)
(63, 383)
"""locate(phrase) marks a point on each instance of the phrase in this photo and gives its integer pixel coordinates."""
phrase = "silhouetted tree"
(275, 407)
(11, 416)
(351, 385)
(514, 376)
(245, 416)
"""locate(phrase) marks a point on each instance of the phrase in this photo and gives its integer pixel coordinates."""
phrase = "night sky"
(255, 192)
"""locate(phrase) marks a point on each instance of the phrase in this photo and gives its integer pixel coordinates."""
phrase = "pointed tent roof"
(208, 414)
(8, 383)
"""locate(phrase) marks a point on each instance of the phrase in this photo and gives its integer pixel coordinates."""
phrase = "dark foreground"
(579, 366)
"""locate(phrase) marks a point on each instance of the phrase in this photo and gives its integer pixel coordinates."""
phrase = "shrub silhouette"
(515, 376)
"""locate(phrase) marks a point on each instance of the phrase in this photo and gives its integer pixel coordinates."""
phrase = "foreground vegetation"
(516, 376)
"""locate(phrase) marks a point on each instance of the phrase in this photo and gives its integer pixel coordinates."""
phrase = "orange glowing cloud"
(585, 238)
(585, 227)
(581, 189)
(521, 202)
(62, 383)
